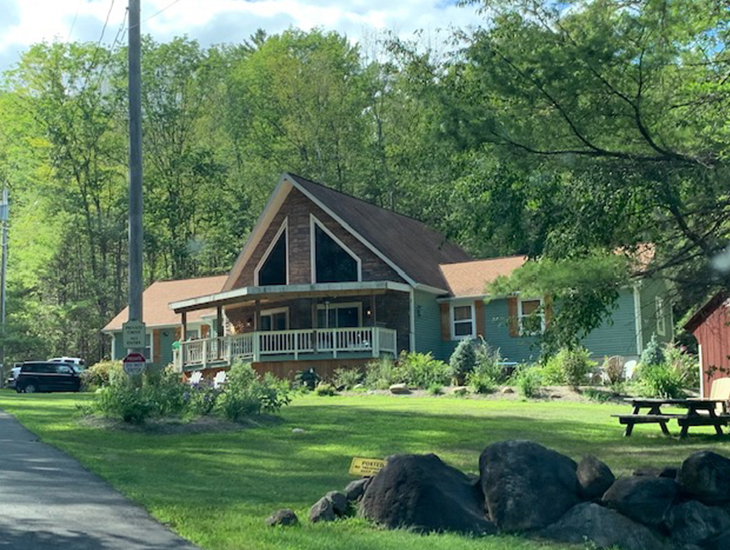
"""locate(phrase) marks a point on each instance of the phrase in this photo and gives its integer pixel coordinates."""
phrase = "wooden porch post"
(184, 325)
(219, 320)
(375, 310)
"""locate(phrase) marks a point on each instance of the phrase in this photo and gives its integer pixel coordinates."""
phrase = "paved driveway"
(48, 501)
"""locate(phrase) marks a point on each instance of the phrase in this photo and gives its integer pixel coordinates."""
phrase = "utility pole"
(4, 217)
(136, 235)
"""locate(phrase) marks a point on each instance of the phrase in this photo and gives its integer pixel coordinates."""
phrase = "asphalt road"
(48, 501)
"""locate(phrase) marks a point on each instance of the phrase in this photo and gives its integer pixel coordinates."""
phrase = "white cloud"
(25, 22)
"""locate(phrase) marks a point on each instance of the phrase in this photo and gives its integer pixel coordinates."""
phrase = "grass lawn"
(217, 488)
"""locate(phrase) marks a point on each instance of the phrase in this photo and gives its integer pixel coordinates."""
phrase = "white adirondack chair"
(195, 378)
(219, 379)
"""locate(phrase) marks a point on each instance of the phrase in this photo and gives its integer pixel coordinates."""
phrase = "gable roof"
(470, 278)
(410, 246)
(707, 309)
(158, 295)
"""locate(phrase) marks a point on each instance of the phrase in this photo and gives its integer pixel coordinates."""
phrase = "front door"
(275, 319)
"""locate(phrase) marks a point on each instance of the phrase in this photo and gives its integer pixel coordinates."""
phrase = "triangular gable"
(413, 250)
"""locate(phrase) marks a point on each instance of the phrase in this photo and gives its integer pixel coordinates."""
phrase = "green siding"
(428, 324)
(496, 333)
(617, 336)
(648, 291)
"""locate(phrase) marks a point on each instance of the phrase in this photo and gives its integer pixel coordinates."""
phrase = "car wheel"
(30, 388)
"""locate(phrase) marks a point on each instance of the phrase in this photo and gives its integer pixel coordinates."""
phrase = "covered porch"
(285, 323)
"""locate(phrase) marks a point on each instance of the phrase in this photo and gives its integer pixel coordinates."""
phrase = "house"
(330, 280)
(163, 325)
(710, 325)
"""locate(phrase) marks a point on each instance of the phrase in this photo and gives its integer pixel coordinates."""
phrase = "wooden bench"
(630, 419)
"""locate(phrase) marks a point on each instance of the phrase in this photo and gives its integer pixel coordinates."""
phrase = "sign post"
(134, 364)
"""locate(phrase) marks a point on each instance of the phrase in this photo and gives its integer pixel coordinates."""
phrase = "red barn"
(711, 326)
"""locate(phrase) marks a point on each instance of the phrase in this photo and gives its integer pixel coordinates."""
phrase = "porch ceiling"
(282, 292)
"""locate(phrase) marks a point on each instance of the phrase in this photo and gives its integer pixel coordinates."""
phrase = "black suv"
(35, 376)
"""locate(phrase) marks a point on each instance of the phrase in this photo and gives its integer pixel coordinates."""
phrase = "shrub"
(576, 364)
(463, 360)
(380, 374)
(98, 375)
(528, 380)
(659, 381)
(421, 370)
(325, 389)
(123, 399)
(248, 394)
(436, 389)
(552, 372)
(653, 353)
(347, 379)
(480, 381)
(165, 391)
(569, 366)
(686, 364)
(202, 398)
(489, 362)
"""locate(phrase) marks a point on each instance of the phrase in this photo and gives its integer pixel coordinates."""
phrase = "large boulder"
(527, 486)
(693, 522)
(705, 476)
(719, 542)
(322, 510)
(283, 517)
(603, 527)
(643, 499)
(422, 493)
(355, 489)
(594, 477)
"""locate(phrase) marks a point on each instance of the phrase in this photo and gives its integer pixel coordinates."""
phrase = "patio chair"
(195, 378)
(720, 389)
(219, 379)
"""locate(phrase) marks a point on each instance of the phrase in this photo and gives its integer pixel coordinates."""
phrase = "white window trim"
(342, 305)
(151, 346)
(452, 322)
(661, 317)
(313, 243)
(274, 311)
(284, 228)
(521, 315)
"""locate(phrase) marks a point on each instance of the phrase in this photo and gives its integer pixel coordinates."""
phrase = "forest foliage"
(564, 131)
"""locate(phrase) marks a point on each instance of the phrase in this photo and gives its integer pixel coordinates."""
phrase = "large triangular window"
(332, 261)
(272, 270)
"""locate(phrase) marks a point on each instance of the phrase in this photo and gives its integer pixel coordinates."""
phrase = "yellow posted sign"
(366, 467)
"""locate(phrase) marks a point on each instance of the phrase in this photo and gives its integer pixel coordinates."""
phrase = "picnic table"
(700, 412)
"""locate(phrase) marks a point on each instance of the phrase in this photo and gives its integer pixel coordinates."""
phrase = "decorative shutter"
(549, 310)
(479, 314)
(156, 347)
(204, 331)
(178, 334)
(514, 322)
(445, 322)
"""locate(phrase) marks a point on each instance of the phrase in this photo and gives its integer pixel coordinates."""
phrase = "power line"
(73, 23)
(160, 11)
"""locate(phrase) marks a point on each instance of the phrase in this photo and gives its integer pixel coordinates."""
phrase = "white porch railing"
(256, 346)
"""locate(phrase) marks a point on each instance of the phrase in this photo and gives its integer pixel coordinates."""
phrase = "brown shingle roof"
(411, 245)
(158, 295)
(470, 278)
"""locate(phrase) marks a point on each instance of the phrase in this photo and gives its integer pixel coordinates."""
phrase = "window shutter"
(549, 311)
(204, 331)
(445, 322)
(514, 322)
(156, 345)
(178, 334)
(479, 314)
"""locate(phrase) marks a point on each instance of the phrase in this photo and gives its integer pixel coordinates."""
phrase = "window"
(462, 322)
(63, 369)
(272, 270)
(275, 319)
(332, 261)
(343, 315)
(148, 346)
(661, 322)
(192, 334)
(532, 316)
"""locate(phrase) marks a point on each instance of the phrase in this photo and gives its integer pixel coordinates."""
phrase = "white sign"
(134, 364)
(133, 335)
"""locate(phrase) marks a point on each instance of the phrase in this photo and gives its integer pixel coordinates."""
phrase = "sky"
(25, 22)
